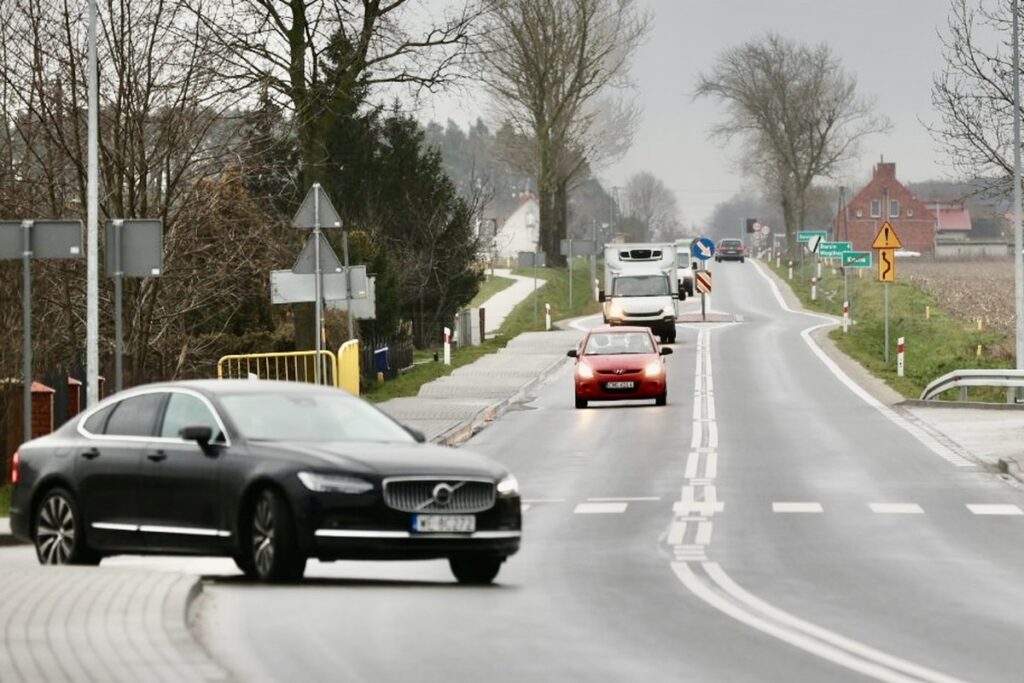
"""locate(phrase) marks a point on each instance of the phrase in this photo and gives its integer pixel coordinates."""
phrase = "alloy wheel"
(55, 531)
(263, 535)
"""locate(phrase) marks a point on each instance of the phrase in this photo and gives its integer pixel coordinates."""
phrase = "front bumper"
(595, 389)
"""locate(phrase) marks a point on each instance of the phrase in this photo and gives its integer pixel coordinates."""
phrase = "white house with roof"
(521, 229)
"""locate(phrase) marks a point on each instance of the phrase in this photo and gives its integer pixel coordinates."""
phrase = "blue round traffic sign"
(702, 248)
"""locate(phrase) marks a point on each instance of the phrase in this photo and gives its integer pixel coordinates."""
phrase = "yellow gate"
(341, 370)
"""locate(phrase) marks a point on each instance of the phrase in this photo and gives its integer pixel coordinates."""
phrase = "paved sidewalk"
(501, 304)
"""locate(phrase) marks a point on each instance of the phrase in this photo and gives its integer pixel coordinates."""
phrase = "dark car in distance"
(268, 473)
(620, 363)
(730, 250)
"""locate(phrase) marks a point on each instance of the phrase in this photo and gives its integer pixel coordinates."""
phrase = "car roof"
(216, 387)
(616, 329)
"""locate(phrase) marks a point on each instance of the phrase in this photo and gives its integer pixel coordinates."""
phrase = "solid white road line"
(979, 509)
(624, 499)
(691, 465)
(543, 500)
(799, 508)
(896, 508)
(600, 508)
(926, 439)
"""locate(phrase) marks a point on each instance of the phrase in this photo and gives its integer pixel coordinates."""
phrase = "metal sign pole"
(886, 289)
(92, 289)
(26, 317)
(118, 305)
(318, 278)
(703, 295)
(570, 273)
(348, 287)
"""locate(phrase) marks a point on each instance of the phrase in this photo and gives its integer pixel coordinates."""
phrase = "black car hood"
(387, 459)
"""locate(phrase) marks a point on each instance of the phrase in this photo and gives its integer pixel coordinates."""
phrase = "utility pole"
(1018, 233)
(92, 287)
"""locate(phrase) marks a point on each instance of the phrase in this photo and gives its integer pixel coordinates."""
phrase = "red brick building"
(886, 199)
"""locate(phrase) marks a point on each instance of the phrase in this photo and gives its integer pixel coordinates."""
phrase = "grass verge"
(5, 500)
(936, 343)
(554, 291)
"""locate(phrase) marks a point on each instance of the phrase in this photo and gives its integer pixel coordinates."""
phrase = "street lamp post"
(1018, 233)
(92, 288)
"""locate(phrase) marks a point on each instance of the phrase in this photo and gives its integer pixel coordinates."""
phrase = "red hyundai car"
(620, 363)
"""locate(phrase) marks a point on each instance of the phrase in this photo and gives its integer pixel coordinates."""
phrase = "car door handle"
(91, 453)
(157, 457)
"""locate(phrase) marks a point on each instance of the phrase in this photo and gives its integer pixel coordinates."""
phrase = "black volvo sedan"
(269, 473)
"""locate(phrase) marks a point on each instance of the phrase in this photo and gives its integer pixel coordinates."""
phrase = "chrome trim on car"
(183, 530)
(131, 393)
(110, 526)
(362, 533)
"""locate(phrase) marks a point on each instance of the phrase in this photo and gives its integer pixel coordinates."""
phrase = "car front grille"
(622, 372)
(418, 495)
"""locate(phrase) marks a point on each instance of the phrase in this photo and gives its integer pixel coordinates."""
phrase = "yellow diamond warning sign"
(886, 238)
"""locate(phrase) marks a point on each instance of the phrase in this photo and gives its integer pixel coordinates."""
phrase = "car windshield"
(605, 343)
(641, 285)
(313, 417)
(731, 244)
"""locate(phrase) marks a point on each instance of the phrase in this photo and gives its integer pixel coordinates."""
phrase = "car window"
(618, 342)
(135, 416)
(186, 410)
(640, 285)
(97, 422)
(731, 243)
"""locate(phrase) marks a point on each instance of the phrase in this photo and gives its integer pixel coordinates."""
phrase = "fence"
(387, 355)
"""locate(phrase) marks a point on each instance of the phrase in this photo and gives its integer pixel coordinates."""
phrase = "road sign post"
(702, 283)
(886, 242)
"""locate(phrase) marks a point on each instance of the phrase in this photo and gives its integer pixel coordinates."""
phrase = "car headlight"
(508, 486)
(334, 483)
(669, 310)
(615, 311)
(584, 371)
(654, 369)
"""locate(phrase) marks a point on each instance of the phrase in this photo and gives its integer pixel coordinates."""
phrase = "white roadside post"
(814, 289)
(547, 316)
(447, 346)
(900, 348)
(778, 260)
(846, 317)
(597, 289)
(791, 269)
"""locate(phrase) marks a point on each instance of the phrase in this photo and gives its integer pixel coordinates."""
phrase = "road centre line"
(600, 508)
(711, 466)
(703, 533)
(896, 508)
(923, 437)
(692, 461)
(981, 509)
(799, 508)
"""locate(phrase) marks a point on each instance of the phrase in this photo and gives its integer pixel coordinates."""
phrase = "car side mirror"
(600, 296)
(201, 434)
(416, 434)
(665, 351)
(572, 353)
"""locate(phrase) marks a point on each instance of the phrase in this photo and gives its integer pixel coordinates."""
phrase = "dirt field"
(968, 290)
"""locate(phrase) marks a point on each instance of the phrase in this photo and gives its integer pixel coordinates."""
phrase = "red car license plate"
(620, 385)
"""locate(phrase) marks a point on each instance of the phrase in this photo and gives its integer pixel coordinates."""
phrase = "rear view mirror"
(665, 351)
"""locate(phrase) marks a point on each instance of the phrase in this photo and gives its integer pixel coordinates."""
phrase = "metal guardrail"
(962, 379)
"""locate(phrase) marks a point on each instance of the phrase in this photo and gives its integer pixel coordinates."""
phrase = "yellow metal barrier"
(348, 366)
(294, 366)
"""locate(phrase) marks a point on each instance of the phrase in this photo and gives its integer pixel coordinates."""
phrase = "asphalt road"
(768, 524)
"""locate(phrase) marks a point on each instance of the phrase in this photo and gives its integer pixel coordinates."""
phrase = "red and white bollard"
(817, 267)
(447, 346)
(597, 289)
(814, 289)
(900, 348)
(778, 260)
(790, 270)
(846, 317)
(547, 316)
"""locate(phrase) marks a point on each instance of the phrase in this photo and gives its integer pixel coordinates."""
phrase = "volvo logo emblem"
(443, 494)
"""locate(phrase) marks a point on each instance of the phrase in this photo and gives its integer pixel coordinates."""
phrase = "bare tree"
(322, 56)
(554, 69)
(654, 205)
(974, 94)
(799, 113)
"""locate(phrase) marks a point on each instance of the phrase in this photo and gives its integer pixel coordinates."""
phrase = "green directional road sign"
(806, 235)
(857, 259)
(834, 249)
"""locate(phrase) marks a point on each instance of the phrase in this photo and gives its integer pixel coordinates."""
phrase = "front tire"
(581, 402)
(273, 547)
(475, 571)
(662, 400)
(59, 533)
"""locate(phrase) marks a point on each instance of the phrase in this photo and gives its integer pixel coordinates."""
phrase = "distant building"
(521, 230)
(886, 199)
(952, 220)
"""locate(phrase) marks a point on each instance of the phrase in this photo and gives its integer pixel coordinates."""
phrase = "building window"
(860, 213)
(876, 208)
(894, 208)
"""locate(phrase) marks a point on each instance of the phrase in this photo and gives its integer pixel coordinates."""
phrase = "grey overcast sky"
(892, 46)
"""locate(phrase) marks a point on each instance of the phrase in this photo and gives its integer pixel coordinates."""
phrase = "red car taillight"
(16, 467)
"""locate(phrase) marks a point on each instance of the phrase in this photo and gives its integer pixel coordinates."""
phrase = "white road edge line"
(926, 440)
(725, 582)
(811, 508)
(600, 508)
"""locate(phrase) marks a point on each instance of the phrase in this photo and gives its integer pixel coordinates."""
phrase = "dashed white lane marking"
(711, 467)
(523, 507)
(979, 509)
(703, 533)
(799, 508)
(896, 508)
(600, 508)
(624, 499)
(691, 465)
(543, 500)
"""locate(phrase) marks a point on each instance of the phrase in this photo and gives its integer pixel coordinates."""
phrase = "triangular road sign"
(886, 238)
(306, 216)
(305, 264)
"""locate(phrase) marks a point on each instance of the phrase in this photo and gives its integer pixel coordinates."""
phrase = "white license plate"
(620, 385)
(444, 524)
